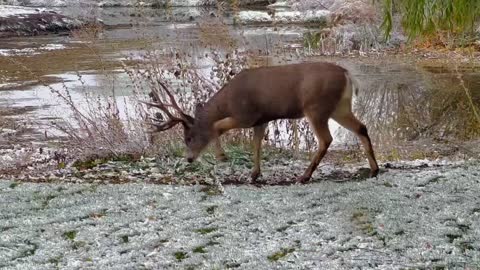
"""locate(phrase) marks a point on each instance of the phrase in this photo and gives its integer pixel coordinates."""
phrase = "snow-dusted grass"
(404, 219)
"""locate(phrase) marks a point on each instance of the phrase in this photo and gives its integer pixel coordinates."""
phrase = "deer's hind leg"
(319, 124)
(258, 134)
(350, 122)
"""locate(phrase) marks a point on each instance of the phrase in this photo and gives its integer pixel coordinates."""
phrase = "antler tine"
(166, 125)
(163, 99)
(162, 107)
(173, 102)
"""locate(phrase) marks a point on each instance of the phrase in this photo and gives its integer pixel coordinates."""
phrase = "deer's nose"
(190, 159)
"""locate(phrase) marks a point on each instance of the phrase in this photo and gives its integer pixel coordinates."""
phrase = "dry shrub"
(88, 32)
(353, 11)
(354, 27)
(215, 33)
(103, 125)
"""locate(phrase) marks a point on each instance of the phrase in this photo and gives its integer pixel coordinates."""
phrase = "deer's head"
(196, 135)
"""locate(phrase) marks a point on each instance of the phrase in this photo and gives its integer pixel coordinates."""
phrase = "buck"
(318, 91)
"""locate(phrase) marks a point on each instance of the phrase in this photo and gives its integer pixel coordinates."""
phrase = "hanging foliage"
(423, 17)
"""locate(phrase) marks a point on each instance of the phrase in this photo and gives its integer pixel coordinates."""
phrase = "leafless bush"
(102, 125)
(354, 27)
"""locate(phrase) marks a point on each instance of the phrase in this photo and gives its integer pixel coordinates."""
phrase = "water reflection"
(407, 101)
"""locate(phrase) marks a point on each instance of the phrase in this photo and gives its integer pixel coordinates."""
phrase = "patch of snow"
(8, 11)
(322, 16)
(52, 47)
(32, 51)
(252, 16)
(309, 16)
(279, 4)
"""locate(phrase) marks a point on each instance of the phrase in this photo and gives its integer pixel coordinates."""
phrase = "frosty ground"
(406, 218)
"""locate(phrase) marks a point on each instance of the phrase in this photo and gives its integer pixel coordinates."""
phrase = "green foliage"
(199, 249)
(93, 162)
(422, 17)
(206, 230)
(70, 235)
(14, 185)
(311, 40)
(180, 255)
(280, 254)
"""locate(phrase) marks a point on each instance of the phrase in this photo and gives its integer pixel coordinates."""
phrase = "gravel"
(406, 218)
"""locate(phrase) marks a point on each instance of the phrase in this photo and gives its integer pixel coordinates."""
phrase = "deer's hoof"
(374, 173)
(255, 175)
(303, 179)
(222, 157)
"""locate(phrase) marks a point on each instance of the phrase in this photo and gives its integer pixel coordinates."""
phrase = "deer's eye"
(188, 140)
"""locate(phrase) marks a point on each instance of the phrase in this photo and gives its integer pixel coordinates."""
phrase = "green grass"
(211, 191)
(14, 185)
(70, 235)
(211, 209)
(283, 228)
(199, 249)
(180, 255)
(125, 238)
(280, 254)
(206, 230)
(212, 243)
(47, 200)
(361, 217)
(94, 161)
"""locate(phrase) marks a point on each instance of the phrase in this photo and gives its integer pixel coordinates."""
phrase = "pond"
(402, 99)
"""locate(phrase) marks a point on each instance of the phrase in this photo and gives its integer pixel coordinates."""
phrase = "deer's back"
(260, 95)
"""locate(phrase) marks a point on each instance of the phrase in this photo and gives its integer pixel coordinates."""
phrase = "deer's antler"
(156, 96)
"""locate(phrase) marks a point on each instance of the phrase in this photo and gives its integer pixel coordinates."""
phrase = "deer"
(317, 91)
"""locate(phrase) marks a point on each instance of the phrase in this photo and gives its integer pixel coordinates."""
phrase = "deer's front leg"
(221, 127)
(258, 134)
(219, 153)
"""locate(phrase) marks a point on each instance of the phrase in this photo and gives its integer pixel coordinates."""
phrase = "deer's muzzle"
(191, 157)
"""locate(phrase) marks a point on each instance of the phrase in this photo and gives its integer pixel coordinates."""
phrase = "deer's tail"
(352, 83)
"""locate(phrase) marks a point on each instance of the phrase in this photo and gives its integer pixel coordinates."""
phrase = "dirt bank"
(16, 21)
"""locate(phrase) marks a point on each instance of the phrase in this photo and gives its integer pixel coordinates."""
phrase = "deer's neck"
(215, 109)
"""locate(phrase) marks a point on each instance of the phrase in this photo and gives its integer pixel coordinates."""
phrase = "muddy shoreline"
(16, 21)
